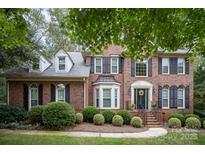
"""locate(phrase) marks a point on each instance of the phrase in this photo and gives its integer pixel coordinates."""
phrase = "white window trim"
(117, 65)
(168, 66)
(112, 87)
(145, 61)
(167, 98)
(59, 64)
(29, 106)
(183, 66)
(57, 93)
(95, 65)
(183, 99)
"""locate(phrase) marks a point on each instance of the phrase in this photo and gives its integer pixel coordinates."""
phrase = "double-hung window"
(165, 65)
(107, 97)
(181, 66)
(34, 95)
(61, 61)
(60, 93)
(165, 97)
(116, 96)
(98, 65)
(36, 65)
(180, 98)
(141, 68)
(114, 65)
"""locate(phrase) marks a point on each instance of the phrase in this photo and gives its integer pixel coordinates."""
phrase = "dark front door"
(141, 97)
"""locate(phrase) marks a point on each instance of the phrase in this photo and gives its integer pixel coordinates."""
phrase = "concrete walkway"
(152, 132)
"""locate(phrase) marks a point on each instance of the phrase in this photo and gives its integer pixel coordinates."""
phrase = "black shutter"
(67, 93)
(132, 67)
(186, 65)
(53, 93)
(40, 94)
(108, 61)
(187, 97)
(173, 65)
(159, 65)
(91, 64)
(175, 96)
(171, 97)
(25, 97)
(150, 67)
(159, 97)
(104, 61)
(121, 62)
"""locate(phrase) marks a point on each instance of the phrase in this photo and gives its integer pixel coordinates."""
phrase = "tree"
(14, 39)
(45, 30)
(140, 31)
(199, 83)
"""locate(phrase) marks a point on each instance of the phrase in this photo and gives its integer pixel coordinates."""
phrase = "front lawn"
(170, 138)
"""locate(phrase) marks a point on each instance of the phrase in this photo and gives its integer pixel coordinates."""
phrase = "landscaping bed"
(106, 128)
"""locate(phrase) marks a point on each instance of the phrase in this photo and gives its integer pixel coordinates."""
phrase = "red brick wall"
(126, 80)
(76, 93)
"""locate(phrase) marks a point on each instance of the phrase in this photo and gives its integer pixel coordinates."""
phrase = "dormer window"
(61, 63)
(36, 65)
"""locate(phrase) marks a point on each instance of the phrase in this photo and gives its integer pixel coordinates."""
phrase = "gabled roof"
(65, 53)
(79, 69)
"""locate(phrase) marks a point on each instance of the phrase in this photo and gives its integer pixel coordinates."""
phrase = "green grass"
(170, 138)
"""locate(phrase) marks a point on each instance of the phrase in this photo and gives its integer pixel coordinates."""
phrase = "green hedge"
(179, 116)
(79, 118)
(193, 123)
(174, 123)
(58, 115)
(136, 122)
(108, 115)
(126, 115)
(35, 114)
(9, 113)
(89, 112)
(98, 119)
(117, 120)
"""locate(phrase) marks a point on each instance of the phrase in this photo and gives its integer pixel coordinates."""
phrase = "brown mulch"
(106, 128)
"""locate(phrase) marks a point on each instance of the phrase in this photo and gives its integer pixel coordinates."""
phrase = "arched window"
(180, 97)
(60, 93)
(33, 95)
(165, 97)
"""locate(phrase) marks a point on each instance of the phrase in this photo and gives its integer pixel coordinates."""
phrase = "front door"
(141, 98)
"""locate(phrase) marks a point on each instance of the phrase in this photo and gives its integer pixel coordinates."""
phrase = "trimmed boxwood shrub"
(126, 115)
(174, 123)
(98, 119)
(193, 122)
(57, 115)
(108, 115)
(89, 112)
(179, 116)
(117, 120)
(9, 113)
(136, 122)
(192, 115)
(79, 118)
(35, 114)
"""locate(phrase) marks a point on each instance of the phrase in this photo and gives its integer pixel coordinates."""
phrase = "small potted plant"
(132, 106)
(154, 106)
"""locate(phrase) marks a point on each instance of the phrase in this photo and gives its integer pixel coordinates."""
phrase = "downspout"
(84, 92)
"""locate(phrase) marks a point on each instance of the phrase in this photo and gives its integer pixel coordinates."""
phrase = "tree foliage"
(14, 38)
(140, 31)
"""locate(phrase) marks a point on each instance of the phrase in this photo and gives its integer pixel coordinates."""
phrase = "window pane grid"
(180, 66)
(106, 97)
(141, 69)
(115, 97)
(98, 66)
(165, 97)
(61, 63)
(180, 99)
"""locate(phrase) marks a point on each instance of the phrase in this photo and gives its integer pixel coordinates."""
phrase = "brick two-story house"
(107, 81)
